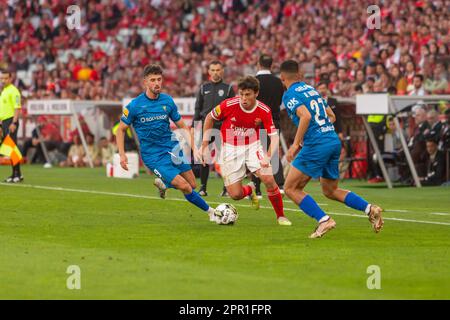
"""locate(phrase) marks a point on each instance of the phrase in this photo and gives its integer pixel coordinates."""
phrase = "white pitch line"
(440, 213)
(212, 202)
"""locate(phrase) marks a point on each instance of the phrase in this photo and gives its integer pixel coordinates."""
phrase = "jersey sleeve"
(174, 115)
(15, 99)
(217, 113)
(127, 115)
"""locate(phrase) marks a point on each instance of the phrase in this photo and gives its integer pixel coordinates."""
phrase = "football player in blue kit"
(315, 153)
(150, 114)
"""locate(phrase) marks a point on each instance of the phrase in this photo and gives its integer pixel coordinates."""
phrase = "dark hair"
(290, 66)
(216, 62)
(265, 61)
(154, 69)
(248, 82)
(432, 139)
(392, 90)
(419, 76)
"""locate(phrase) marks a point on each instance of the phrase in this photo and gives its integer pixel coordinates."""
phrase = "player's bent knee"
(289, 190)
(235, 195)
(181, 185)
(329, 193)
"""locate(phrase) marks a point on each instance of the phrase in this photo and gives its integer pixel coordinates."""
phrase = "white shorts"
(234, 160)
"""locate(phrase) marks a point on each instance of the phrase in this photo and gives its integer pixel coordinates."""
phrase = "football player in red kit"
(241, 118)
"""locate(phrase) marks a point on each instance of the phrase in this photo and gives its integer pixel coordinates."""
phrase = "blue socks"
(311, 208)
(196, 200)
(356, 202)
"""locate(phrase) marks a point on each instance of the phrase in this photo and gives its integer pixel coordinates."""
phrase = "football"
(226, 213)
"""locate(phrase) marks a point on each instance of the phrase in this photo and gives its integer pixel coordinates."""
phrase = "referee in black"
(211, 94)
(270, 93)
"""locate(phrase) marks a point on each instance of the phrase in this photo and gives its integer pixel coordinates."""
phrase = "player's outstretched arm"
(305, 118)
(120, 139)
(274, 145)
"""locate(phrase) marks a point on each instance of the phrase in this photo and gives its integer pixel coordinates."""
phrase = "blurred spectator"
(92, 151)
(435, 164)
(76, 154)
(417, 144)
(418, 89)
(437, 84)
(444, 143)
(434, 132)
(107, 151)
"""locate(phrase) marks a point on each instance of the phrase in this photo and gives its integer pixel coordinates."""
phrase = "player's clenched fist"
(124, 162)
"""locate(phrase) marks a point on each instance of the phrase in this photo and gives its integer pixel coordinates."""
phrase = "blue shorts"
(167, 166)
(320, 160)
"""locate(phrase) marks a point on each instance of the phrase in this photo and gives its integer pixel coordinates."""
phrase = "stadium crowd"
(103, 58)
(410, 53)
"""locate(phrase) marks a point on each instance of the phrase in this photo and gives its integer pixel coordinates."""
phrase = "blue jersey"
(150, 120)
(320, 129)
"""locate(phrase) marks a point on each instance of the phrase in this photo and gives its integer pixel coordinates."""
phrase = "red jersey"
(240, 126)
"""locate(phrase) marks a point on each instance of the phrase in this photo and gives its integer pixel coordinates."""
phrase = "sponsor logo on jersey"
(242, 132)
(150, 119)
(292, 103)
(303, 88)
(327, 128)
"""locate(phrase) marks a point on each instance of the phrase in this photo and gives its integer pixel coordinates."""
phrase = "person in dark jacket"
(211, 94)
(270, 93)
(435, 165)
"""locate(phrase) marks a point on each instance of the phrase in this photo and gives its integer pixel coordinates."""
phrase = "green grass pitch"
(131, 245)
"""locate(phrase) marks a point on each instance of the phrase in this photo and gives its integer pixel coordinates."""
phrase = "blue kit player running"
(150, 114)
(320, 149)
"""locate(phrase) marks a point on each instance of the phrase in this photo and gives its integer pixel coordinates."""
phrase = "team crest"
(165, 108)
(221, 93)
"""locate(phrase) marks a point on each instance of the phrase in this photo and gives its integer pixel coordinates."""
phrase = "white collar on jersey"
(248, 111)
(261, 72)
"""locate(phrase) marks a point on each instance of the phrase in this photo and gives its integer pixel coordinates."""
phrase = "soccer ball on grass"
(226, 213)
